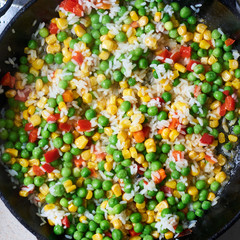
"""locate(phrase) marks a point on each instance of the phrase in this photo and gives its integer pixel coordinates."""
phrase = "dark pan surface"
(217, 220)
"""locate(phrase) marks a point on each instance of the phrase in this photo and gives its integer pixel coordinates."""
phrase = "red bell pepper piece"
(133, 233)
(159, 176)
(53, 117)
(134, 24)
(159, 99)
(185, 51)
(226, 92)
(164, 54)
(101, 155)
(22, 95)
(207, 139)
(229, 103)
(65, 127)
(28, 127)
(72, 6)
(197, 90)
(84, 125)
(139, 136)
(47, 167)
(108, 234)
(223, 110)
(174, 123)
(178, 155)
(51, 155)
(53, 29)
(33, 136)
(38, 171)
(146, 131)
(210, 159)
(229, 42)
(78, 162)
(78, 57)
(65, 221)
(166, 190)
(8, 80)
(175, 56)
(189, 65)
(140, 171)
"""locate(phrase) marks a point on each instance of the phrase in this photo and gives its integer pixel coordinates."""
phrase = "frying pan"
(219, 218)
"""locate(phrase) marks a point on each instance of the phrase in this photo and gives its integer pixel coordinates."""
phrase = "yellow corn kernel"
(168, 235)
(175, 75)
(79, 30)
(217, 169)
(108, 131)
(133, 152)
(38, 64)
(122, 136)
(104, 204)
(96, 136)
(62, 23)
(211, 196)
(212, 60)
(214, 123)
(65, 148)
(23, 162)
(157, 16)
(182, 30)
(42, 102)
(232, 138)
(176, 194)
(155, 234)
(139, 117)
(12, 151)
(221, 177)
(125, 27)
(67, 41)
(23, 193)
(143, 21)
(89, 195)
(100, 78)
(53, 48)
(135, 238)
(146, 98)
(72, 208)
(140, 158)
(151, 42)
(97, 236)
(207, 35)
(25, 114)
(113, 99)
(192, 155)
(149, 143)
(215, 105)
(221, 160)
(44, 189)
(49, 207)
(180, 67)
(31, 110)
(81, 142)
(33, 71)
(233, 64)
(162, 205)
(34, 162)
(150, 219)
(104, 55)
(226, 76)
(197, 37)
(123, 84)
(187, 37)
(204, 60)
(173, 135)
(142, 91)
(70, 188)
(201, 156)
(51, 39)
(39, 84)
(10, 93)
(108, 166)
(41, 197)
(83, 219)
(87, 97)
(135, 128)
(193, 191)
(117, 224)
(140, 205)
(134, 16)
(35, 120)
(54, 135)
(195, 171)
(201, 28)
(172, 184)
(79, 181)
(204, 44)
(117, 190)
(236, 83)
(126, 154)
(86, 155)
(112, 109)
(130, 113)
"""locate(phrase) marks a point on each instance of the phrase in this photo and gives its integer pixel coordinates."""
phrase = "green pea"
(58, 230)
(152, 111)
(166, 148)
(117, 234)
(90, 114)
(202, 98)
(103, 121)
(181, 186)
(218, 95)
(236, 129)
(217, 67)
(206, 205)
(121, 37)
(167, 96)
(87, 38)
(85, 172)
(173, 33)
(135, 217)
(143, 63)
(125, 106)
(117, 156)
(162, 116)
(199, 68)
(185, 12)
(230, 115)
(206, 87)
(215, 186)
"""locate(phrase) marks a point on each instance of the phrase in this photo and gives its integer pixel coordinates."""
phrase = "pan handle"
(6, 6)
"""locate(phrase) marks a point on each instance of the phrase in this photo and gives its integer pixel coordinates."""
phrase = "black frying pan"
(219, 218)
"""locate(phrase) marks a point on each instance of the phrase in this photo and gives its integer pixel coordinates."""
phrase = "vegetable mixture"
(113, 117)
